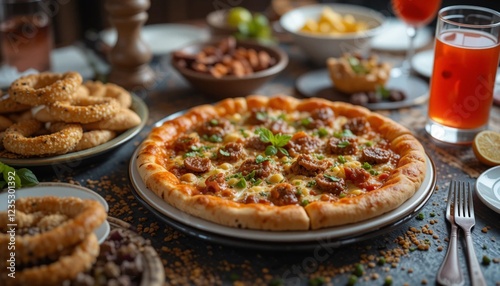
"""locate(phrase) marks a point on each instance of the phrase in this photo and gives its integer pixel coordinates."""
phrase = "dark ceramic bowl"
(231, 85)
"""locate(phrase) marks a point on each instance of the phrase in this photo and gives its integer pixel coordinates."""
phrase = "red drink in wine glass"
(416, 14)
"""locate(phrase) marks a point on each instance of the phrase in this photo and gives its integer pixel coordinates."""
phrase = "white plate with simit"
(59, 190)
(488, 188)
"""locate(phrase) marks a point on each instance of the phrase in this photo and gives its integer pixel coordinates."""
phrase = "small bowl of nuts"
(228, 68)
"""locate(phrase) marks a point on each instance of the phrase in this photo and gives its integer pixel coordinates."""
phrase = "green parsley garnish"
(214, 122)
(214, 138)
(384, 92)
(373, 172)
(261, 115)
(356, 65)
(322, 132)
(260, 159)
(343, 144)
(341, 159)
(224, 153)
(366, 166)
(331, 178)
(304, 203)
(369, 144)
(343, 133)
(306, 121)
(311, 184)
(242, 183)
(342, 195)
(420, 216)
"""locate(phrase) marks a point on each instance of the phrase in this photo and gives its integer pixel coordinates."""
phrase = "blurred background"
(75, 17)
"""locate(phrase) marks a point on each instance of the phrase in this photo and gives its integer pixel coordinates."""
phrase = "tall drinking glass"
(416, 14)
(466, 56)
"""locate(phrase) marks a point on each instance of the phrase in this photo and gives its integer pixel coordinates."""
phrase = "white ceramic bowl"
(320, 47)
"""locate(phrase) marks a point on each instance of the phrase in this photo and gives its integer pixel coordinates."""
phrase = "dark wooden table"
(189, 259)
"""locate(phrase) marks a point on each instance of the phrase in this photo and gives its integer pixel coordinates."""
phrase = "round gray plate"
(318, 84)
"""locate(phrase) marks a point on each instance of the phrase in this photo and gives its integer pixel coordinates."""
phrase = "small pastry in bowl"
(352, 73)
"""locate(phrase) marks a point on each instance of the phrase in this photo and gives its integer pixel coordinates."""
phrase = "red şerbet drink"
(26, 42)
(463, 78)
(416, 12)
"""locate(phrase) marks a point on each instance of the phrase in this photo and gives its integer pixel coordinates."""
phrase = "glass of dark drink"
(26, 38)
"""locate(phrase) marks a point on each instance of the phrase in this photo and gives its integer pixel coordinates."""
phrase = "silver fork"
(450, 273)
(464, 217)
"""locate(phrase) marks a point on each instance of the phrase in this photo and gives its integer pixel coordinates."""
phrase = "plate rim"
(138, 105)
(285, 236)
(323, 73)
(481, 191)
(105, 34)
(104, 227)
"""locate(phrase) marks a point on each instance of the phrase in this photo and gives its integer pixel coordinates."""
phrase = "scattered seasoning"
(352, 280)
(420, 216)
(358, 270)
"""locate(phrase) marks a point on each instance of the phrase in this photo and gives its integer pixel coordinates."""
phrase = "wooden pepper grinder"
(130, 56)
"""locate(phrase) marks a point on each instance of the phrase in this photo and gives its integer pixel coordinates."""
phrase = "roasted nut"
(225, 59)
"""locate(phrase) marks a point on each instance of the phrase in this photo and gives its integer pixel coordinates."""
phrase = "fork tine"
(471, 202)
(457, 205)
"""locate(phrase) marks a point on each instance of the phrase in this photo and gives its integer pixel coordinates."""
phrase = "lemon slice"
(486, 146)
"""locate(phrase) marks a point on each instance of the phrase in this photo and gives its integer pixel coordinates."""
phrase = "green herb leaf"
(343, 133)
(242, 183)
(322, 132)
(27, 177)
(214, 138)
(304, 203)
(214, 122)
(259, 159)
(261, 116)
(284, 151)
(271, 150)
(341, 159)
(257, 182)
(356, 65)
(343, 144)
(331, 178)
(224, 153)
(384, 92)
(265, 134)
(311, 184)
(306, 121)
(366, 166)
(250, 176)
(373, 172)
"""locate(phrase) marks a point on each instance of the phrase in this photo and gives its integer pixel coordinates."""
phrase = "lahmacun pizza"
(281, 163)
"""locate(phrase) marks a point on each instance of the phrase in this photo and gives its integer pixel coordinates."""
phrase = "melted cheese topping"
(306, 189)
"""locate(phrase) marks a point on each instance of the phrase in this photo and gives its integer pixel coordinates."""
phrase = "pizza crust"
(399, 187)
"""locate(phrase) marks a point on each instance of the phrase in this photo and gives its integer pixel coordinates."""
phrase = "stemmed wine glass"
(416, 14)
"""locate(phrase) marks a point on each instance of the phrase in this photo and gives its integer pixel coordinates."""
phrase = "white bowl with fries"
(329, 30)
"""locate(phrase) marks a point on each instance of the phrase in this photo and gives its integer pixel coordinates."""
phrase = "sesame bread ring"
(79, 259)
(83, 217)
(84, 109)
(63, 138)
(45, 88)
(123, 120)
(94, 138)
(99, 89)
(5, 123)
(41, 113)
(9, 105)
